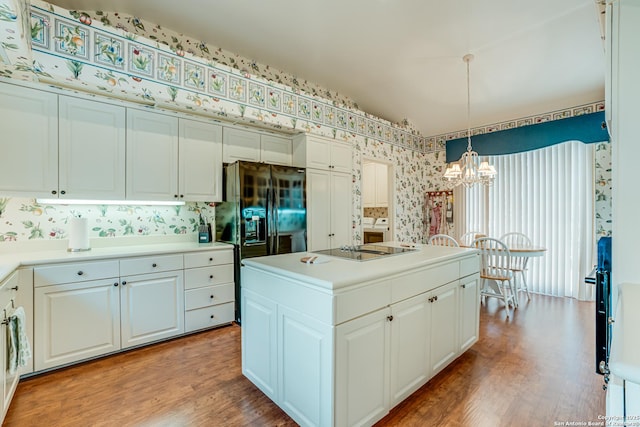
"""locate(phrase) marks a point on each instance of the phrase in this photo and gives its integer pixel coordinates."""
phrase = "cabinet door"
(9, 380)
(362, 369)
(444, 326)
(275, 150)
(469, 311)
(318, 152)
(240, 144)
(382, 192)
(341, 157)
(259, 342)
(305, 376)
(152, 307)
(369, 185)
(152, 156)
(75, 321)
(410, 340)
(318, 209)
(92, 150)
(200, 161)
(341, 204)
(29, 142)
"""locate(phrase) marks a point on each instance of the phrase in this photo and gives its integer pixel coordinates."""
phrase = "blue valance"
(587, 128)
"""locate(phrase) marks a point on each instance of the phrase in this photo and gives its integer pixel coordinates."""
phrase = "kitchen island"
(341, 342)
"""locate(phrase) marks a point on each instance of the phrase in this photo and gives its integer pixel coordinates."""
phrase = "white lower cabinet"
(151, 307)
(362, 369)
(356, 353)
(8, 302)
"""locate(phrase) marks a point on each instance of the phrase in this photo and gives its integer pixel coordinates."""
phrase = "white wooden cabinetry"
(29, 142)
(91, 150)
(84, 310)
(199, 161)
(209, 289)
(469, 311)
(172, 159)
(317, 152)
(347, 357)
(8, 302)
(151, 299)
(329, 204)
(375, 185)
(76, 312)
(152, 153)
(240, 144)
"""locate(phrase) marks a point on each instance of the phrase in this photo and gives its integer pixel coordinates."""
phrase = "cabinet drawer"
(209, 316)
(211, 295)
(152, 264)
(74, 272)
(469, 266)
(424, 280)
(207, 276)
(204, 259)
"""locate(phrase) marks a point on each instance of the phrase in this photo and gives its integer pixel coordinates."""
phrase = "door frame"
(390, 194)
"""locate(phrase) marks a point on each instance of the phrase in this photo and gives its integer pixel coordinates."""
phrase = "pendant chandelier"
(469, 170)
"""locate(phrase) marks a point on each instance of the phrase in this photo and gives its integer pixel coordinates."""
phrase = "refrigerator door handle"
(276, 209)
(269, 237)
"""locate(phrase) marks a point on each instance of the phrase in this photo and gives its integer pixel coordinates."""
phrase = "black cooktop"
(364, 252)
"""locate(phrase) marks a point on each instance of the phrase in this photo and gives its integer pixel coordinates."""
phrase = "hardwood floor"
(535, 369)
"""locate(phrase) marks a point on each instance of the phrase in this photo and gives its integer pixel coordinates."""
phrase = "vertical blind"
(547, 194)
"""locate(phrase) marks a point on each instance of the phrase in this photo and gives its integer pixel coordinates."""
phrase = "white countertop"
(624, 358)
(338, 273)
(14, 255)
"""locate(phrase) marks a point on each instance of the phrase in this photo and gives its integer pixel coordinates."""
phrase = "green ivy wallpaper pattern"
(23, 219)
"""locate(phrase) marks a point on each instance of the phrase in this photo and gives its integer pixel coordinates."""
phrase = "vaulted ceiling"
(402, 59)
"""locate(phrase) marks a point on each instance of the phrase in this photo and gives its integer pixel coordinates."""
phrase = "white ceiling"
(403, 58)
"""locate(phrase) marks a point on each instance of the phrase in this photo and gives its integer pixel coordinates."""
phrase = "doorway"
(377, 201)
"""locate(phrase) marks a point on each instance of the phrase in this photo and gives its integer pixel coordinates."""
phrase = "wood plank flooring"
(536, 369)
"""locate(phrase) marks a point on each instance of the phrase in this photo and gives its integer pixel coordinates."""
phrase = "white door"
(382, 192)
(259, 335)
(75, 321)
(240, 144)
(200, 161)
(91, 150)
(9, 381)
(409, 346)
(152, 156)
(275, 150)
(341, 205)
(362, 369)
(469, 311)
(152, 307)
(341, 157)
(444, 326)
(318, 209)
(29, 142)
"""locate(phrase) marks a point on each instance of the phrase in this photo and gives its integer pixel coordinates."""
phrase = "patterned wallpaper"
(23, 219)
(124, 57)
(603, 189)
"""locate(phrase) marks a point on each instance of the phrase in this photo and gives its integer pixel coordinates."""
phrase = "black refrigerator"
(263, 213)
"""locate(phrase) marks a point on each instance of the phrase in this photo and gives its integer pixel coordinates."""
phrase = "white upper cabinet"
(152, 153)
(317, 152)
(200, 161)
(29, 144)
(240, 144)
(91, 150)
(374, 185)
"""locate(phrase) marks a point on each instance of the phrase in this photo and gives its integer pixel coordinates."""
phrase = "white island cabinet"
(342, 342)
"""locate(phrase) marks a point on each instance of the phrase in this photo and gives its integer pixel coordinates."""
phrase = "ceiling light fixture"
(469, 170)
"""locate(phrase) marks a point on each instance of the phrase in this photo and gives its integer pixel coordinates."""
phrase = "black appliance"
(603, 305)
(263, 213)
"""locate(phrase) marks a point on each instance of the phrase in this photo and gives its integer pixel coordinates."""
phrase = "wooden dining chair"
(443, 240)
(496, 275)
(518, 263)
